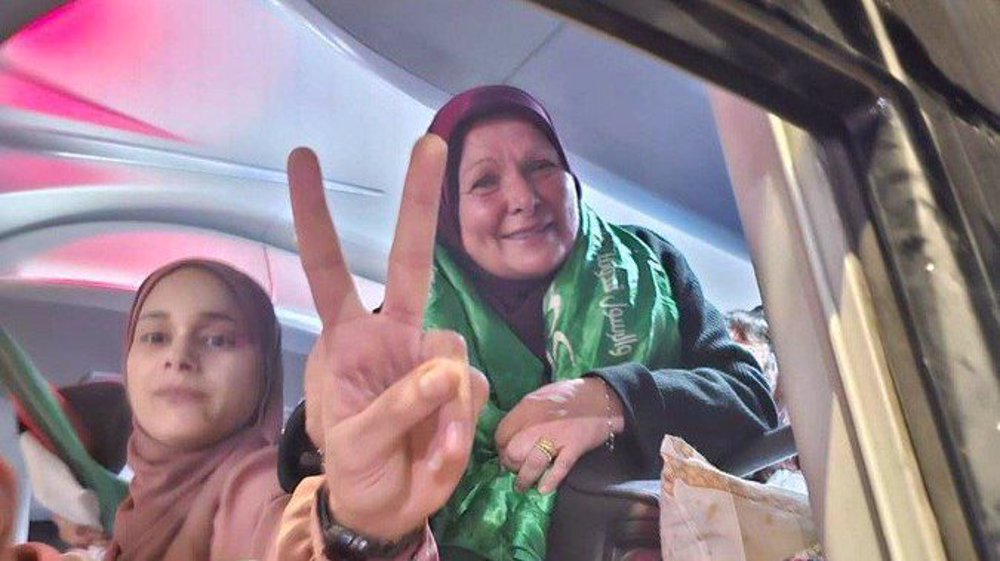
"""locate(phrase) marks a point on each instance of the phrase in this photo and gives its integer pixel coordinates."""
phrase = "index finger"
(412, 256)
(510, 425)
(330, 282)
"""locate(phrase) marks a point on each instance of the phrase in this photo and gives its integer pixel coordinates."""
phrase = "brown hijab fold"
(221, 503)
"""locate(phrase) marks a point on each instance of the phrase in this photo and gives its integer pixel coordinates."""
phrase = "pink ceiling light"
(125, 259)
(58, 35)
(24, 92)
(23, 171)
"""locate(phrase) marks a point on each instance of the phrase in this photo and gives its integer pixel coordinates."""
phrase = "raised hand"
(393, 408)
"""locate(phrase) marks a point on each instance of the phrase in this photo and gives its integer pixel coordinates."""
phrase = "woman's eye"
(153, 338)
(541, 165)
(485, 182)
(219, 341)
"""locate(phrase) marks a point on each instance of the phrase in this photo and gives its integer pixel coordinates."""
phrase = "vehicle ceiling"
(133, 133)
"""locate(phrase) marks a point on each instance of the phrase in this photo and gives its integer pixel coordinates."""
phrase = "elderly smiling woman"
(589, 333)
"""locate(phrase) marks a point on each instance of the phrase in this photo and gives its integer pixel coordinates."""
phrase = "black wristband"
(340, 542)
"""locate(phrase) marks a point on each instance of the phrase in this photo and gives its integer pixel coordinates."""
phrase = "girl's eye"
(219, 341)
(153, 338)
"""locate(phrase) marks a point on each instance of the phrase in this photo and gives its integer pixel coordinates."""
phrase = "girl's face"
(193, 375)
(517, 206)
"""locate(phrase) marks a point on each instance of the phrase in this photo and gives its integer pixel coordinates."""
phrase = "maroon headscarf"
(518, 302)
(223, 502)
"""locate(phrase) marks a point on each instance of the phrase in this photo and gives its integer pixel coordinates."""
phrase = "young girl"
(204, 380)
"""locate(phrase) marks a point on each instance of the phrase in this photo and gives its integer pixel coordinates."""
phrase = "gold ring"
(547, 447)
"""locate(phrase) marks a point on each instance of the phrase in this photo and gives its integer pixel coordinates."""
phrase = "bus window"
(134, 135)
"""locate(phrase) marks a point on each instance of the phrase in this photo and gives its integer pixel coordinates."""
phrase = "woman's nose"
(522, 196)
(180, 355)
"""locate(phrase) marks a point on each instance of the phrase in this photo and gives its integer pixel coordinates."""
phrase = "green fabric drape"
(609, 303)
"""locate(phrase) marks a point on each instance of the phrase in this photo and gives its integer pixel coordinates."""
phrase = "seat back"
(605, 511)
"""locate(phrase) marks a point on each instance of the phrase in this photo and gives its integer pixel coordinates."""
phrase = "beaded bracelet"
(611, 431)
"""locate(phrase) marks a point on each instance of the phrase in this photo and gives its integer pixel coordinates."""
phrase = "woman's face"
(193, 375)
(517, 206)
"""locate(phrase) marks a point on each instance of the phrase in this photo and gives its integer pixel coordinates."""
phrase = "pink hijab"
(222, 503)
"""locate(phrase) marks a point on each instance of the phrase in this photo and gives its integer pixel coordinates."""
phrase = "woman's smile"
(531, 232)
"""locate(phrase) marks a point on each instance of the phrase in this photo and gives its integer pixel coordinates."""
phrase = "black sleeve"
(716, 399)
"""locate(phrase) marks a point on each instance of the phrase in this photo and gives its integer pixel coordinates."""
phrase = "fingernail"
(435, 462)
(453, 436)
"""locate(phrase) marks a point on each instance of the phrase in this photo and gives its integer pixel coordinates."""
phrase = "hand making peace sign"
(394, 408)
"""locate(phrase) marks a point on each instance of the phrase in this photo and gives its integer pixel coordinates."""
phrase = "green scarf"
(610, 303)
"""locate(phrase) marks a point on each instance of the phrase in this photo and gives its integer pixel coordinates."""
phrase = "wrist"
(351, 511)
(616, 411)
(377, 526)
(613, 411)
(343, 540)
(606, 400)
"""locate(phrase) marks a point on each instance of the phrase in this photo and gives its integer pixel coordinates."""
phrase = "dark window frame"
(838, 87)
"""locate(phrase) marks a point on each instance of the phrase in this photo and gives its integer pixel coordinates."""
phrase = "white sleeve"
(55, 487)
